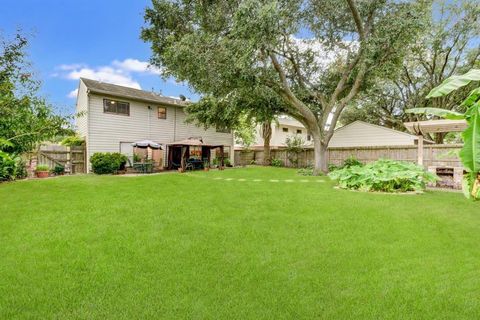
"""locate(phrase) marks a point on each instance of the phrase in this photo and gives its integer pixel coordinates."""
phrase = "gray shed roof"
(130, 93)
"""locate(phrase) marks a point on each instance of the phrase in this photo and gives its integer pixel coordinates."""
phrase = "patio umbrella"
(147, 144)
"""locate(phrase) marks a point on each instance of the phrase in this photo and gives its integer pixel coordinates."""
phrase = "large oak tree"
(316, 56)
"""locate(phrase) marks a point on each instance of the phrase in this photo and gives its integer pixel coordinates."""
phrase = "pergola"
(181, 150)
(420, 128)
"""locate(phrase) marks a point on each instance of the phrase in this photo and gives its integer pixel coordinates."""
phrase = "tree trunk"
(266, 135)
(320, 156)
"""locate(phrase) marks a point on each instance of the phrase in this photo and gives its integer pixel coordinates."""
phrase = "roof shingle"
(130, 93)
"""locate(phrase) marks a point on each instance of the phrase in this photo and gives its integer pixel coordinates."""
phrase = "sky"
(99, 40)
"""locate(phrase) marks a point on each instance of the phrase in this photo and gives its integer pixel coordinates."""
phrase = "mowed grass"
(198, 246)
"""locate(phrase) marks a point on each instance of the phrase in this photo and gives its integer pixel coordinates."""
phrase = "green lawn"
(198, 246)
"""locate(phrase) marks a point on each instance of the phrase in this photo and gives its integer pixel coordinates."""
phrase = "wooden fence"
(71, 158)
(434, 155)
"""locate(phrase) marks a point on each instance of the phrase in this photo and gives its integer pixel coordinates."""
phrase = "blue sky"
(95, 39)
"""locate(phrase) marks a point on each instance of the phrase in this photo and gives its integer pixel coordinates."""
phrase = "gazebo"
(433, 126)
(192, 152)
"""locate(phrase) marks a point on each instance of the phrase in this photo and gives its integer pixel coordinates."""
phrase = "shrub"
(350, 162)
(8, 167)
(72, 141)
(108, 163)
(42, 167)
(305, 171)
(226, 162)
(383, 175)
(58, 170)
(276, 162)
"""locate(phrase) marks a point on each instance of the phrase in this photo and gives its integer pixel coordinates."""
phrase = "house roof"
(383, 128)
(130, 93)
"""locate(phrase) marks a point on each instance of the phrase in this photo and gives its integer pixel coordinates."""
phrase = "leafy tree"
(448, 46)
(245, 133)
(241, 110)
(221, 46)
(25, 118)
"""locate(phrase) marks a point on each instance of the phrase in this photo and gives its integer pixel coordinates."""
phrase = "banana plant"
(470, 153)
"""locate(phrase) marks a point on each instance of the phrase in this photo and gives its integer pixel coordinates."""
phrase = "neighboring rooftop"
(130, 93)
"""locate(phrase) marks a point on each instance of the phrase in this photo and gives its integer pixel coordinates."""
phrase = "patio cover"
(432, 126)
(193, 142)
(147, 144)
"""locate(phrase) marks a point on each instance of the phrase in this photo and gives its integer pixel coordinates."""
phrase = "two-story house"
(111, 117)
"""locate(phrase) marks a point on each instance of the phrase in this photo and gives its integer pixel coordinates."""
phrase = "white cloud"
(73, 94)
(105, 74)
(117, 72)
(135, 65)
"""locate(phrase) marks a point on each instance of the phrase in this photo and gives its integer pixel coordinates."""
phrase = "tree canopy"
(448, 45)
(314, 56)
(25, 118)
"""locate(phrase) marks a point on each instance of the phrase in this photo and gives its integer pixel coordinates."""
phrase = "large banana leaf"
(443, 113)
(473, 97)
(454, 82)
(470, 153)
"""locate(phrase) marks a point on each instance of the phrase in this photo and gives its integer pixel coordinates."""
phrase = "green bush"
(72, 141)
(227, 162)
(108, 163)
(383, 175)
(276, 162)
(8, 166)
(308, 171)
(350, 162)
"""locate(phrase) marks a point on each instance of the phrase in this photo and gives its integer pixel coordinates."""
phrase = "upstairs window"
(285, 129)
(162, 113)
(116, 107)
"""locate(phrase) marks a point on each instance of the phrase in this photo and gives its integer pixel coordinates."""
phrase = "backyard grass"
(234, 245)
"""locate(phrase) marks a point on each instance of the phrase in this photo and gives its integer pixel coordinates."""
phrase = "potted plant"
(206, 165)
(42, 171)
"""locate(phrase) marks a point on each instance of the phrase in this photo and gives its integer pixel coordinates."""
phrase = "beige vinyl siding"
(81, 122)
(107, 131)
(361, 134)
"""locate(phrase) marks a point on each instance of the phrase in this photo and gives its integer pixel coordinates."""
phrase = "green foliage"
(9, 166)
(42, 167)
(347, 163)
(72, 141)
(58, 170)
(245, 132)
(305, 171)
(227, 162)
(246, 56)
(25, 118)
(351, 162)
(383, 175)
(470, 153)
(448, 45)
(295, 144)
(276, 163)
(108, 163)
